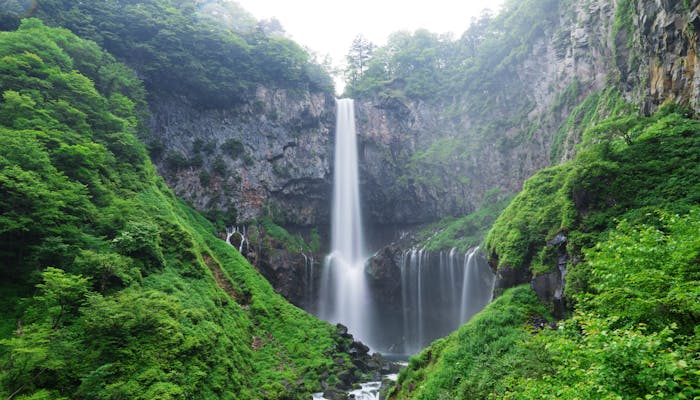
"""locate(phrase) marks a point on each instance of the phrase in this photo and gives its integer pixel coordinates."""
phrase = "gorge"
(435, 297)
(185, 206)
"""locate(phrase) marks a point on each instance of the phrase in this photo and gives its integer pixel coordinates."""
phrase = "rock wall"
(422, 161)
(270, 155)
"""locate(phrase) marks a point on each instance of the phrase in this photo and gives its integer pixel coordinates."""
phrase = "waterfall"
(440, 292)
(344, 297)
(477, 285)
(241, 232)
(308, 281)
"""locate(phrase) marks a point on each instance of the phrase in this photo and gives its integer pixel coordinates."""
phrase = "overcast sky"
(329, 26)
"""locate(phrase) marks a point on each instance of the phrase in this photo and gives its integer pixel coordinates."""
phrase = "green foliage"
(648, 274)
(595, 360)
(430, 67)
(276, 236)
(584, 120)
(472, 362)
(183, 48)
(466, 232)
(127, 291)
(635, 334)
(540, 211)
(632, 165)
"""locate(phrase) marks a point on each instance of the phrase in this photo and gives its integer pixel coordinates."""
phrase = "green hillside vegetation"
(629, 205)
(424, 65)
(629, 168)
(180, 48)
(125, 291)
(465, 232)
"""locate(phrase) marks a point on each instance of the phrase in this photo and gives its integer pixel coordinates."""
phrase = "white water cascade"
(440, 291)
(343, 293)
(477, 286)
(242, 232)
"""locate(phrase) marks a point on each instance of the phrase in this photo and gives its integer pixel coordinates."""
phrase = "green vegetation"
(126, 292)
(635, 333)
(178, 47)
(632, 167)
(423, 65)
(473, 362)
(465, 232)
(629, 206)
(275, 236)
(595, 108)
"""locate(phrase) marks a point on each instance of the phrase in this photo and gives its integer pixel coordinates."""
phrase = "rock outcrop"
(425, 160)
(270, 155)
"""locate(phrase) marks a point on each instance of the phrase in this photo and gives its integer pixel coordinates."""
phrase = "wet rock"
(384, 275)
(342, 331)
(335, 394)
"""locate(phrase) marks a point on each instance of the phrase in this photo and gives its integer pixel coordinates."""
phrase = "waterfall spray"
(344, 295)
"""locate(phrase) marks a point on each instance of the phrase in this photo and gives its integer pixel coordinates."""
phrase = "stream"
(367, 390)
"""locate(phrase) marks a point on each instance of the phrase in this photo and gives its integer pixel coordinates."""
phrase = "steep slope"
(619, 224)
(444, 122)
(241, 116)
(127, 291)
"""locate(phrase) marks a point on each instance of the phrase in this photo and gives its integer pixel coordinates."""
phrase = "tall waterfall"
(438, 291)
(343, 294)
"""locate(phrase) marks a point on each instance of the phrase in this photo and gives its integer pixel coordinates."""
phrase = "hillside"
(125, 291)
(560, 136)
(618, 225)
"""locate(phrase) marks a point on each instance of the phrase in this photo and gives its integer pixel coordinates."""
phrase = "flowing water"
(343, 292)
(438, 290)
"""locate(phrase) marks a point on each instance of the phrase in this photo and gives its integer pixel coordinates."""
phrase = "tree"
(358, 59)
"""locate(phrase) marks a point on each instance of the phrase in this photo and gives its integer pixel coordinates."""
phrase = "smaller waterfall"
(440, 291)
(308, 281)
(230, 231)
(477, 285)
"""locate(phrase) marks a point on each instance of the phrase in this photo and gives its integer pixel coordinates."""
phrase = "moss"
(465, 232)
(472, 362)
(627, 165)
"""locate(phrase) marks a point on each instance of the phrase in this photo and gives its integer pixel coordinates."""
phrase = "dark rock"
(347, 378)
(342, 331)
(384, 275)
(508, 277)
(358, 349)
(335, 394)
(558, 239)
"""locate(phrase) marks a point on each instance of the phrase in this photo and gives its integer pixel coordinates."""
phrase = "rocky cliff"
(423, 159)
(269, 155)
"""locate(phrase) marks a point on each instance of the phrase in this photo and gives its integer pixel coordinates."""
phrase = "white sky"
(329, 26)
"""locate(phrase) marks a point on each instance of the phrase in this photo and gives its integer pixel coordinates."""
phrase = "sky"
(329, 26)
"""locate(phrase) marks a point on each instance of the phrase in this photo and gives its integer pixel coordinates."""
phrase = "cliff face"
(270, 155)
(666, 40)
(422, 160)
(425, 160)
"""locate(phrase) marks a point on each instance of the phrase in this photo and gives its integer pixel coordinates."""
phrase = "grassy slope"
(145, 301)
(634, 332)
